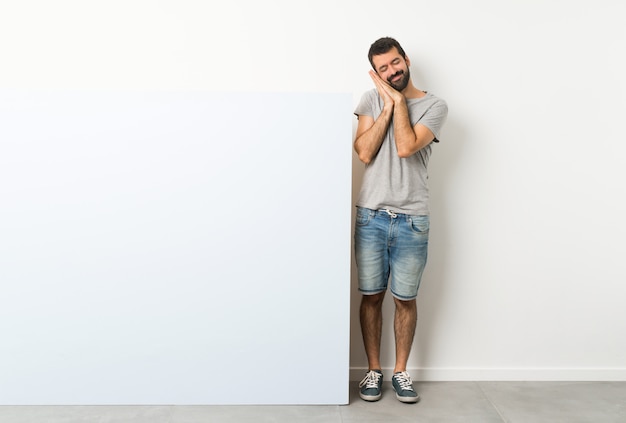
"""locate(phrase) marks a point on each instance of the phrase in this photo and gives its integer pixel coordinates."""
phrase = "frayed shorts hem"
(400, 297)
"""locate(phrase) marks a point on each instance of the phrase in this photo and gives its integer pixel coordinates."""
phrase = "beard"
(402, 83)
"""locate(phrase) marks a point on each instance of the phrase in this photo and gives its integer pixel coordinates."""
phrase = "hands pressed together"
(390, 95)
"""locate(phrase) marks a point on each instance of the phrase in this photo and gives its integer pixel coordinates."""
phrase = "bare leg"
(405, 320)
(371, 327)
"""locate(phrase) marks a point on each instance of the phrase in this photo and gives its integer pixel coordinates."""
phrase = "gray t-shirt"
(400, 184)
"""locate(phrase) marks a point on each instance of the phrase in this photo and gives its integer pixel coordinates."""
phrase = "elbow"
(364, 155)
(407, 147)
(404, 153)
(365, 158)
(408, 150)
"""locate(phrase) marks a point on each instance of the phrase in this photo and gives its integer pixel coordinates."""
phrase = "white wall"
(526, 272)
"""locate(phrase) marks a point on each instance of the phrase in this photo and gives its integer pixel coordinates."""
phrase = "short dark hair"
(382, 46)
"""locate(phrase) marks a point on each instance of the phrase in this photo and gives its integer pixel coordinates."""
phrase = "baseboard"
(502, 374)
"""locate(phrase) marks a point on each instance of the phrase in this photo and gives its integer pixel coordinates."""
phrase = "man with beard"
(397, 125)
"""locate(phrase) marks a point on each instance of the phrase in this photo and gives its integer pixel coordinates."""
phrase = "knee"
(374, 301)
(405, 304)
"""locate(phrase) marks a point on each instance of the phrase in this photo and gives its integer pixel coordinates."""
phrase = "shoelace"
(370, 380)
(404, 380)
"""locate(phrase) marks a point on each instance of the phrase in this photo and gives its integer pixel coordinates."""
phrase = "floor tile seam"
(490, 401)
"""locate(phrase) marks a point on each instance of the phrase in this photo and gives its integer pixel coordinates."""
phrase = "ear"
(408, 61)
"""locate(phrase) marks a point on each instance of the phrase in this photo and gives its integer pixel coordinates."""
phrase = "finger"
(380, 84)
(383, 85)
(376, 77)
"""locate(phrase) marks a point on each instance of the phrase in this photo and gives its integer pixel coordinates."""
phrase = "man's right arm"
(370, 134)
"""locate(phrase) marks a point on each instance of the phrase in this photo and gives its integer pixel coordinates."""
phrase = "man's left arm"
(409, 139)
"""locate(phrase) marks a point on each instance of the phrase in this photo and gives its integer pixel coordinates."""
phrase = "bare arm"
(370, 133)
(409, 140)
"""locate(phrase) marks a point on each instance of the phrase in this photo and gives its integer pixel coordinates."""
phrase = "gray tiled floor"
(449, 402)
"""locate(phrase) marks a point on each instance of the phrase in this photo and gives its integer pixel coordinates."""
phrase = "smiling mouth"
(396, 77)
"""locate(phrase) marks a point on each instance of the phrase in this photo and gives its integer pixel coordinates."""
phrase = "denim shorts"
(390, 246)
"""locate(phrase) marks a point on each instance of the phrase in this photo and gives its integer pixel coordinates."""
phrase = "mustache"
(400, 72)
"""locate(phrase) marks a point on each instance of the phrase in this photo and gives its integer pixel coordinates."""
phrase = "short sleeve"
(435, 117)
(367, 104)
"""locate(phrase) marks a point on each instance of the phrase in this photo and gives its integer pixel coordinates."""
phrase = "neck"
(411, 92)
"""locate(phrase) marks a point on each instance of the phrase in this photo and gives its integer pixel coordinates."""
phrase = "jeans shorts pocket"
(363, 216)
(420, 224)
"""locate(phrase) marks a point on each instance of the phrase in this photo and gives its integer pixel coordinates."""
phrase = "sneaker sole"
(370, 397)
(408, 400)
